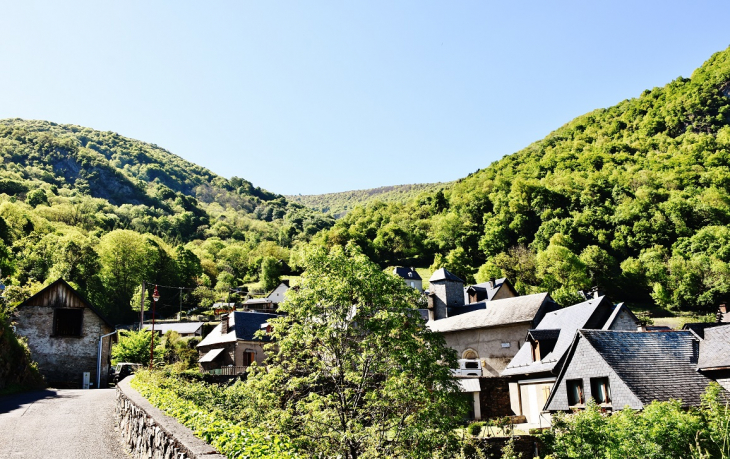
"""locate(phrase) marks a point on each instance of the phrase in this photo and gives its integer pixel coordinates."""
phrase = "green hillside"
(634, 198)
(107, 212)
(338, 204)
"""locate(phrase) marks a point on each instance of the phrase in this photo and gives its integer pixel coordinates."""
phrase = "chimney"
(641, 327)
(723, 308)
(224, 324)
(491, 282)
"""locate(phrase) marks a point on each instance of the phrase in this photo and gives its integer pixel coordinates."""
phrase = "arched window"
(470, 354)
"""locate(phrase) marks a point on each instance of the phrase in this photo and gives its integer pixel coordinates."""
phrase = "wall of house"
(487, 342)
(624, 321)
(586, 363)
(62, 360)
(256, 346)
(226, 358)
(446, 294)
(532, 395)
(503, 292)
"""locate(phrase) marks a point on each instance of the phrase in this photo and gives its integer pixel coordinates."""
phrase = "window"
(601, 390)
(575, 392)
(249, 357)
(67, 322)
(470, 354)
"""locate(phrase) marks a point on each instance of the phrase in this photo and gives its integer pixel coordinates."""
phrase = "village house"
(410, 277)
(494, 289)
(534, 369)
(714, 353)
(64, 334)
(495, 332)
(631, 369)
(447, 296)
(232, 346)
(184, 329)
(270, 303)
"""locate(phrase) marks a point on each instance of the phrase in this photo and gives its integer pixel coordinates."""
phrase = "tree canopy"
(353, 371)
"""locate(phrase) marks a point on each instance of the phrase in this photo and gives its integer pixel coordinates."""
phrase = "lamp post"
(155, 297)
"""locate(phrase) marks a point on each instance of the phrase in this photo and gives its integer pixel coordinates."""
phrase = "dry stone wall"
(150, 434)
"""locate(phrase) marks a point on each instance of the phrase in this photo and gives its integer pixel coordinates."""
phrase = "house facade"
(232, 346)
(533, 371)
(494, 333)
(410, 277)
(63, 332)
(619, 369)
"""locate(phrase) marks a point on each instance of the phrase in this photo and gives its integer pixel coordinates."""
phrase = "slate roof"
(655, 366)
(715, 349)
(406, 273)
(500, 312)
(699, 328)
(442, 274)
(568, 321)
(180, 327)
(471, 307)
(241, 326)
(487, 287)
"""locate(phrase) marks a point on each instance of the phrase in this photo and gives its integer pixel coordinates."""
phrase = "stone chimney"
(224, 324)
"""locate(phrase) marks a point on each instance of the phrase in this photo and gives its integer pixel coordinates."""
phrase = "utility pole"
(141, 306)
(155, 297)
(179, 316)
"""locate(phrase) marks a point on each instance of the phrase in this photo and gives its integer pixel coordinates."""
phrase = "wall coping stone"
(183, 436)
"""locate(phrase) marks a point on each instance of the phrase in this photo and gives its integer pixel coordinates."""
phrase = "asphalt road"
(60, 424)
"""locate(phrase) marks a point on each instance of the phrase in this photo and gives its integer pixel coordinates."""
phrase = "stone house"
(495, 289)
(534, 368)
(63, 332)
(232, 345)
(410, 277)
(494, 333)
(631, 369)
(270, 303)
(714, 352)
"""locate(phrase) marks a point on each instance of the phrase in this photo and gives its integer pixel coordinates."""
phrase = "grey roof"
(241, 326)
(258, 301)
(500, 312)
(211, 355)
(655, 366)
(471, 307)
(715, 348)
(489, 288)
(568, 321)
(700, 327)
(442, 274)
(406, 273)
(184, 328)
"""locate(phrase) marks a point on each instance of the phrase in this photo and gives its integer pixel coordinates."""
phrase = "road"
(60, 424)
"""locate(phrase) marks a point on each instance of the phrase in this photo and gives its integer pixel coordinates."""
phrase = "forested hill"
(634, 198)
(338, 204)
(107, 212)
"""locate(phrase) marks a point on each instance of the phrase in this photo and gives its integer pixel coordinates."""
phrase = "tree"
(354, 372)
(270, 269)
(134, 347)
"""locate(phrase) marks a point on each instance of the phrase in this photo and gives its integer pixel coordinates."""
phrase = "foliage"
(662, 430)
(189, 403)
(17, 371)
(134, 347)
(354, 372)
(640, 191)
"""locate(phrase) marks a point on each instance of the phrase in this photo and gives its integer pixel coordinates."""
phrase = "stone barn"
(63, 331)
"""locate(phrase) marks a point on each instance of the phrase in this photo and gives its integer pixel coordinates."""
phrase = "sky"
(325, 96)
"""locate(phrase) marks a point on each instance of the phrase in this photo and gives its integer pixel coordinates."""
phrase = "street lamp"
(156, 298)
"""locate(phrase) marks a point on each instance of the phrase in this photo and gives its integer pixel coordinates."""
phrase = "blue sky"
(324, 96)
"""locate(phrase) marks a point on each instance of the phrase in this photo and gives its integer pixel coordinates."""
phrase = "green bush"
(201, 407)
(475, 428)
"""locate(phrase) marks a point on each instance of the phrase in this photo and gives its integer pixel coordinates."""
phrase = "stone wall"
(62, 360)
(150, 434)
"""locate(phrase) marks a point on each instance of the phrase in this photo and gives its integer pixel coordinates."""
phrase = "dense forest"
(634, 198)
(338, 204)
(107, 212)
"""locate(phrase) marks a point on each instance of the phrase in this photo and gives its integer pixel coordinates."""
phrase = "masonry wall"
(150, 434)
(624, 321)
(447, 294)
(487, 342)
(62, 360)
(586, 363)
